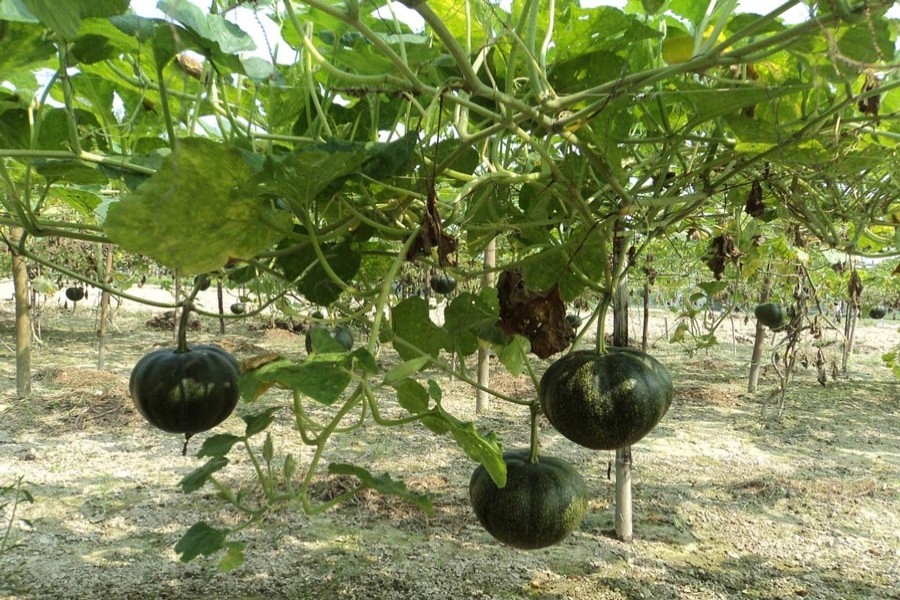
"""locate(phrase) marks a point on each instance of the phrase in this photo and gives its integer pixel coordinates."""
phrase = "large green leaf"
(323, 379)
(228, 37)
(471, 317)
(300, 177)
(411, 322)
(186, 217)
(24, 48)
(65, 17)
(314, 281)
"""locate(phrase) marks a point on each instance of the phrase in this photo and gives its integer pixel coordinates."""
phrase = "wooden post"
(22, 291)
(104, 307)
(624, 521)
(482, 399)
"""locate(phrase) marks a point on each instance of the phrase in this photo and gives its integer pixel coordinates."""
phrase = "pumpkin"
(878, 312)
(341, 334)
(541, 503)
(202, 282)
(442, 284)
(605, 401)
(770, 314)
(75, 293)
(185, 392)
(238, 308)
(573, 320)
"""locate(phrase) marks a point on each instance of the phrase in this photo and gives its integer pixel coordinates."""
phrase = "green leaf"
(411, 322)
(323, 343)
(227, 36)
(234, 557)
(713, 288)
(315, 283)
(24, 48)
(323, 379)
(84, 202)
(197, 478)
(218, 445)
(200, 539)
(186, 217)
(471, 317)
(301, 177)
(65, 17)
(435, 391)
(413, 396)
(512, 355)
(383, 484)
(545, 269)
(77, 172)
(258, 422)
(364, 360)
(479, 447)
(406, 369)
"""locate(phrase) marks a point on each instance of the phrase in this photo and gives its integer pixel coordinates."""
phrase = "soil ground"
(731, 500)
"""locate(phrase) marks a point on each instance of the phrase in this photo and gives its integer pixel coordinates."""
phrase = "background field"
(729, 501)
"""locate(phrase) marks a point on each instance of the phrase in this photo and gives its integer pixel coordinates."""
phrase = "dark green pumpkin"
(770, 314)
(343, 336)
(607, 401)
(541, 503)
(185, 392)
(442, 284)
(878, 312)
(75, 294)
(202, 282)
(573, 320)
(238, 308)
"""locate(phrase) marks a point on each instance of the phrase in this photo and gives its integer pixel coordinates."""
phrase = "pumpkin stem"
(533, 449)
(187, 438)
(186, 306)
(602, 309)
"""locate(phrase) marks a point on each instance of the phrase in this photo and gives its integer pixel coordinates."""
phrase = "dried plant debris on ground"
(727, 503)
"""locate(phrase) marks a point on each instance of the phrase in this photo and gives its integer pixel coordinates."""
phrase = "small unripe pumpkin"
(541, 503)
(185, 392)
(770, 314)
(442, 284)
(75, 294)
(238, 308)
(878, 312)
(202, 282)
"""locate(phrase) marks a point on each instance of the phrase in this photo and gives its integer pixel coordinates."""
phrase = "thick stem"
(187, 305)
(759, 340)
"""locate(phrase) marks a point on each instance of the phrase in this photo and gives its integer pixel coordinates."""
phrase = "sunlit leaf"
(185, 216)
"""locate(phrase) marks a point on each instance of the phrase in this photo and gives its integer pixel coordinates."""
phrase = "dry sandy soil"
(730, 501)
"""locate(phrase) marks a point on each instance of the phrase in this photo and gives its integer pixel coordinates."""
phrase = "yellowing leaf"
(188, 215)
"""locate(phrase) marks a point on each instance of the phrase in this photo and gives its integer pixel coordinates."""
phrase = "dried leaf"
(540, 317)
